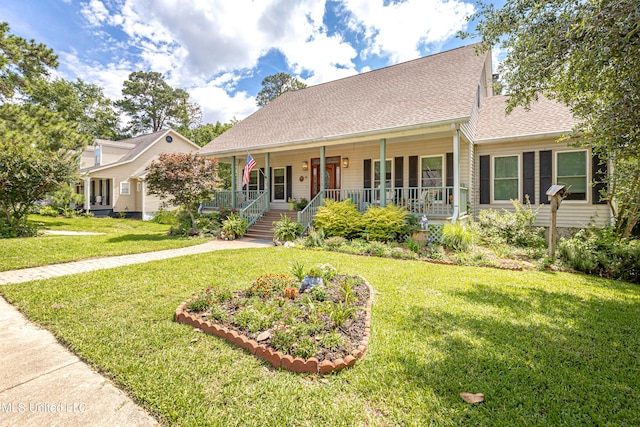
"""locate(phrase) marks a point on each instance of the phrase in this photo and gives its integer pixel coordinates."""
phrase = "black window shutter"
(599, 176)
(261, 179)
(289, 182)
(546, 174)
(528, 177)
(367, 173)
(449, 171)
(398, 165)
(485, 180)
(413, 171)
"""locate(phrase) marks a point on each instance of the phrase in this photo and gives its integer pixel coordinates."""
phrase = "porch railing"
(254, 210)
(224, 198)
(305, 216)
(430, 201)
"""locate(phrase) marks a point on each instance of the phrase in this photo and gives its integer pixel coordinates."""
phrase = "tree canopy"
(151, 104)
(82, 103)
(585, 54)
(275, 85)
(183, 179)
(39, 148)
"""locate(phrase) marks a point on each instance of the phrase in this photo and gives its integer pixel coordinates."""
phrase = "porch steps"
(262, 229)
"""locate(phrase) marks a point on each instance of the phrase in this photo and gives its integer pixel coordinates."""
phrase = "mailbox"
(559, 190)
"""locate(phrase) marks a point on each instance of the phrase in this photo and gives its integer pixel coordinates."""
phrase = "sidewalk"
(42, 383)
(55, 270)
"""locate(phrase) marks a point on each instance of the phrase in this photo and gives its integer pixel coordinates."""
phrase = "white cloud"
(398, 30)
(94, 12)
(217, 105)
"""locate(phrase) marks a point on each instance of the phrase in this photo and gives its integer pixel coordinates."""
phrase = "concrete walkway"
(49, 271)
(42, 383)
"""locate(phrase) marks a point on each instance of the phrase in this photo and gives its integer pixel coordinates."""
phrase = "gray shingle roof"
(545, 117)
(432, 89)
(136, 146)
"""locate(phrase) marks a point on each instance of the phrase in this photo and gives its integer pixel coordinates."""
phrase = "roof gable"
(136, 147)
(432, 89)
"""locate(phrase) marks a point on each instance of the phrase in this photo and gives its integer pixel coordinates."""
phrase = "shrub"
(512, 228)
(164, 216)
(233, 227)
(286, 230)
(49, 211)
(600, 251)
(339, 219)
(385, 224)
(456, 237)
(334, 242)
(315, 238)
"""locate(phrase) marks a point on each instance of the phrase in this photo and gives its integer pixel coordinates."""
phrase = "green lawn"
(121, 236)
(545, 349)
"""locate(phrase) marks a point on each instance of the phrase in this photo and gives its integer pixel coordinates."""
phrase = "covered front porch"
(98, 195)
(420, 173)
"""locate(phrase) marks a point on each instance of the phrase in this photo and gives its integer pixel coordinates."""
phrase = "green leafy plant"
(164, 216)
(283, 337)
(512, 228)
(339, 219)
(332, 340)
(334, 242)
(315, 238)
(456, 237)
(301, 204)
(341, 312)
(385, 224)
(304, 347)
(297, 269)
(319, 293)
(233, 227)
(286, 230)
(49, 211)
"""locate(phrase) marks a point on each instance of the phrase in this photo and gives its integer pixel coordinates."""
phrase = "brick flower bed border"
(277, 359)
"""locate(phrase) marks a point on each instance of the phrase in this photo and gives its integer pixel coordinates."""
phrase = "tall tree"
(152, 104)
(38, 147)
(585, 54)
(275, 85)
(21, 62)
(79, 102)
(184, 179)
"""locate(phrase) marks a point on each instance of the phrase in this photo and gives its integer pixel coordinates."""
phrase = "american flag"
(247, 169)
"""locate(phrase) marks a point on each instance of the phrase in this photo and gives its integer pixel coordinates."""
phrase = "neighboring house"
(113, 173)
(447, 148)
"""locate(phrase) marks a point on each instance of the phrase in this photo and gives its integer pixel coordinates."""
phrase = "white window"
(125, 188)
(279, 184)
(506, 182)
(376, 173)
(571, 170)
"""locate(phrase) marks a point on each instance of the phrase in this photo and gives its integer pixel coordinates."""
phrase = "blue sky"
(220, 50)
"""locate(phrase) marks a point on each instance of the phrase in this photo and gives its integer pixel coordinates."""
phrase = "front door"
(331, 173)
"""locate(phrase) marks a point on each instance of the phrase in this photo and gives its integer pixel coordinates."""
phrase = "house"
(428, 134)
(113, 173)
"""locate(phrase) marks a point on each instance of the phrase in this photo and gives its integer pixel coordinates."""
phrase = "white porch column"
(234, 182)
(143, 188)
(383, 172)
(456, 175)
(87, 194)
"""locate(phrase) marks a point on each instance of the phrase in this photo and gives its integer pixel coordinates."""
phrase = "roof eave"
(524, 137)
(343, 138)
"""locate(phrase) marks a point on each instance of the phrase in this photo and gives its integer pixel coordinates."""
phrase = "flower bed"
(293, 323)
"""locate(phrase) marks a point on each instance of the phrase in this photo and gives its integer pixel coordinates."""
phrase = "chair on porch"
(420, 204)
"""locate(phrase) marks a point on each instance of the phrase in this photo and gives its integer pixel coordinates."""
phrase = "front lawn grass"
(544, 348)
(121, 236)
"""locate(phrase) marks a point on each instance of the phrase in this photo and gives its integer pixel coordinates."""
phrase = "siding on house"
(572, 213)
